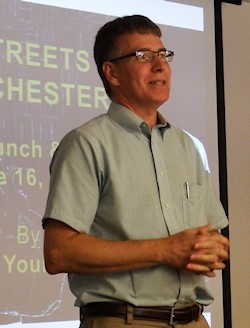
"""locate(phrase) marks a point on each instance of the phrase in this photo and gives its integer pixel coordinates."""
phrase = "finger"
(205, 229)
(210, 274)
(200, 269)
(220, 238)
(208, 243)
(202, 254)
(218, 266)
(208, 258)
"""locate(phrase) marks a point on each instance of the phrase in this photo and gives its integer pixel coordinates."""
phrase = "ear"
(110, 73)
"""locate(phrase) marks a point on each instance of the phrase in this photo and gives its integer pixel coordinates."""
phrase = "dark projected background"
(48, 85)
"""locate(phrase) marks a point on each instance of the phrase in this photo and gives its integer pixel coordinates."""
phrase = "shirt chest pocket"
(194, 205)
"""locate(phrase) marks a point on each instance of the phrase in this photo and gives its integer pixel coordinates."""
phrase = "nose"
(159, 66)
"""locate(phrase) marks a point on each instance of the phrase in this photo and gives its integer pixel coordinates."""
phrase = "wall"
(236, 36)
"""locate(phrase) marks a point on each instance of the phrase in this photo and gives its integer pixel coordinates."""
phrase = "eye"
(145, 55)
(163, 54)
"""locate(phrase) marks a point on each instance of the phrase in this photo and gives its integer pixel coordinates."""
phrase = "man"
(132, 215)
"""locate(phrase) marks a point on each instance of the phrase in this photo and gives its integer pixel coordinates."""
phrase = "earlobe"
(110, 73)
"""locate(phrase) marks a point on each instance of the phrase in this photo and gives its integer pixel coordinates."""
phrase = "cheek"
(133, 82)
(127, 78)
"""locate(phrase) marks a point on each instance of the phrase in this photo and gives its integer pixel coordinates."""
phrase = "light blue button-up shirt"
(117, 179)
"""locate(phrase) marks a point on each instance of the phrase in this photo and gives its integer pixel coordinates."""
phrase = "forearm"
(82, 253)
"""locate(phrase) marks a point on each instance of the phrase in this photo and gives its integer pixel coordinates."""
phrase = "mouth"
(158, 82)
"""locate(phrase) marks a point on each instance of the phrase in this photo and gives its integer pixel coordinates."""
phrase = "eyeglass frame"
(138, 53)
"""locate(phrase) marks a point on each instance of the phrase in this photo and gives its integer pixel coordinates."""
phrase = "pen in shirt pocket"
(187, 189)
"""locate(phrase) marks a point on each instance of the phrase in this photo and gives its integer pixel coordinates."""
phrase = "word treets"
(45, 56)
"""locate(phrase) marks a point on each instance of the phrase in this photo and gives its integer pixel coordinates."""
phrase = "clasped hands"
(200, 250)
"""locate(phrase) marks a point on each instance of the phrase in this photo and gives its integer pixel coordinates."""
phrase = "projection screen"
(48, 85)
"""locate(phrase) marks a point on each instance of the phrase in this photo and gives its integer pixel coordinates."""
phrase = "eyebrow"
(148, 49)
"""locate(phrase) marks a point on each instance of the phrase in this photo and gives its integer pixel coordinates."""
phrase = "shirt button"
(162, 173)
(167, 205)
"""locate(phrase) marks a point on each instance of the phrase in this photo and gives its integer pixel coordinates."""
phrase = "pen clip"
(187, 189)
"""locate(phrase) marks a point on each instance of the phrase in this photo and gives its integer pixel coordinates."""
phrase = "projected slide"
(49, 85)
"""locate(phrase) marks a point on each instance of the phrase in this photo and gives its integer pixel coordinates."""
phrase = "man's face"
(136, 85)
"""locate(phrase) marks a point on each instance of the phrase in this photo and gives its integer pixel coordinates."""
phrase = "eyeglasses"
(147, 56)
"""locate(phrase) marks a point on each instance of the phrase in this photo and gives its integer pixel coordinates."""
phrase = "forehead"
(136, 41)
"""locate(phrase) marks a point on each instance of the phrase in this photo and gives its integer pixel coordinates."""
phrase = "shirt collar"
(132, 122)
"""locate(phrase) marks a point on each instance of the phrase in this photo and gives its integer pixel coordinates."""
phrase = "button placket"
(161, 175)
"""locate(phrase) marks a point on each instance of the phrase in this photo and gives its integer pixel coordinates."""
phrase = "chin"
(161, 100)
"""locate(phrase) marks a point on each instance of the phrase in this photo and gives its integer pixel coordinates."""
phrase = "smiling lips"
(158, 82)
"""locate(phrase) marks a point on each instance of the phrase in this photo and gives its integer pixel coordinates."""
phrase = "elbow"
(52, 262)
(51, 269)
(57, 249)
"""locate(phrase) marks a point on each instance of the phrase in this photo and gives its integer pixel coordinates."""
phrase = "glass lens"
(163, 55)
(146, 56)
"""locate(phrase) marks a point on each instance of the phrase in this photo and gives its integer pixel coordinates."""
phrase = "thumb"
(205, 229)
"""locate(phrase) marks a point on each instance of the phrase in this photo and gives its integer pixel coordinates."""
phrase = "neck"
(149, 115)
